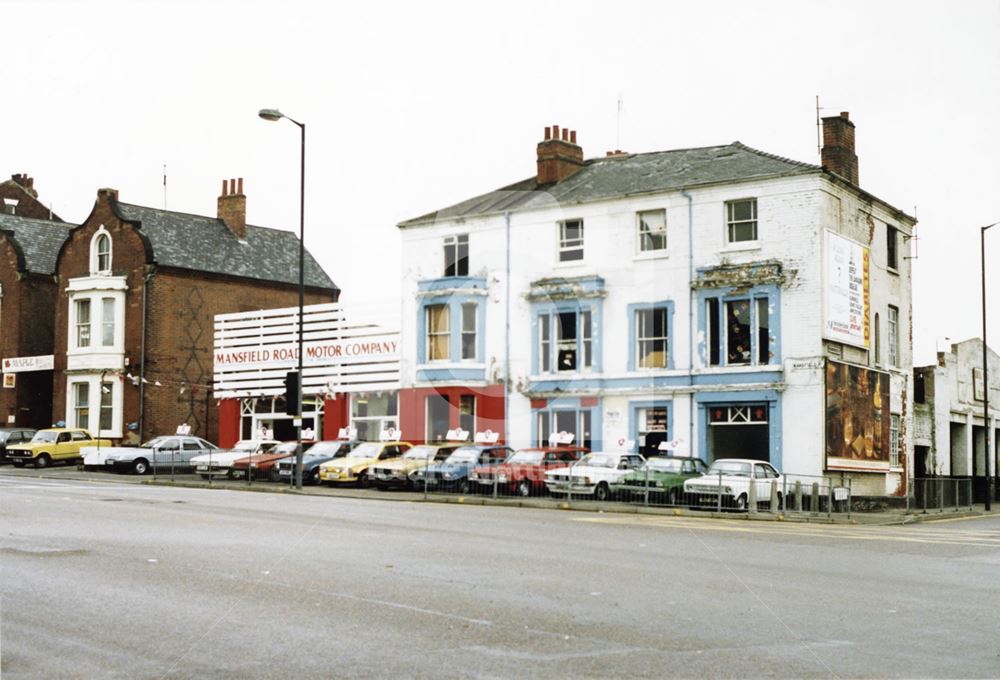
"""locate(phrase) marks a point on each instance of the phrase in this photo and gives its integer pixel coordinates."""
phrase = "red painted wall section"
(229, 422)
(335, 416)
(413, 409)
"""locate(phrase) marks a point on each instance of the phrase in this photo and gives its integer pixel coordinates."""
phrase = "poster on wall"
(846, 296)
(857, 418)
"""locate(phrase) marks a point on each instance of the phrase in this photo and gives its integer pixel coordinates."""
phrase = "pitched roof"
(38, 240)
(206, 244)
(619, 176)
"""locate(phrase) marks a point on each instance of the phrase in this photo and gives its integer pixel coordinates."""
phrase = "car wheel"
(672, 497)
(463, 486)
(140, 466)
(601, 492)
(363, 480)
(314, 477)
(43, 461)
(780, 498)
(741, 502)
(524, 488)
(273, 475)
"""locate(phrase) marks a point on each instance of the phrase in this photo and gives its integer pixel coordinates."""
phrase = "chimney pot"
(572, 136)
(558, 156)
(845, 115)
(548, 133)
(232, 206)
(555, 132)
(224, 187)
(239, 187)
(565, 135)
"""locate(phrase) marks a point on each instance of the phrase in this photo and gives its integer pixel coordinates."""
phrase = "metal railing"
(940, 494)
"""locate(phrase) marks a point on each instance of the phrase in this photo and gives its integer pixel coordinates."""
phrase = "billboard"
(857, 418)
(846, 294)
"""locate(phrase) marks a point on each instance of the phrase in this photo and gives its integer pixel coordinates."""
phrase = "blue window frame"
(567, 337)
(451, 322)
(649, 337)
(568, 415)
(740, 328)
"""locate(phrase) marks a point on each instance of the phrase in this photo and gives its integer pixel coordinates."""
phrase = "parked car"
(353, 468)
(318, 453)
(265, 465)
(523, 473)
(593, 475)
(217, 463)
(731, 478)
(663, 477)
(160, 452)
(452, 474)
(13, 435)
(396, 473)
(51, 445)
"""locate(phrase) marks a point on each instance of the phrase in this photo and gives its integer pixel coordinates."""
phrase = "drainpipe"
(691, 334)
(142, 357)
(506, 349)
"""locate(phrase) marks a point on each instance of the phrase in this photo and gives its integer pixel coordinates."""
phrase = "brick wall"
(27, 203)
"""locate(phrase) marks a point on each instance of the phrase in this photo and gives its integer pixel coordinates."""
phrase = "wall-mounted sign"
(24, 364)
(978, 384)
(372, 348)
(846, 294)
(10, 380)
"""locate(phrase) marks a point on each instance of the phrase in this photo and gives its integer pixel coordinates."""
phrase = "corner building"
(727, 300)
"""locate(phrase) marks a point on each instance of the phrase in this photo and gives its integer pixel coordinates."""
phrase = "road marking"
(986, 538)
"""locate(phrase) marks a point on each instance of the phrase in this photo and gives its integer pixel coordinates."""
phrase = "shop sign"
(457, 435)
(24, 364)
(347, 433)
(857, 418)
(390, 435)
(9, 380)
(847, 295)
(354, 350)
(557, 438)
(487, 437)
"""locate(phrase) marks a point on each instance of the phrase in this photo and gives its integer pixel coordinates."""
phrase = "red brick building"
(30, 239)
(139, 288)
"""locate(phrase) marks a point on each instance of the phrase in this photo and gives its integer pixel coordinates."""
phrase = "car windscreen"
(366, 450)
(286, 449)
(600, 460)
(44, 437)
(152, 443)
(526, 458)
(663, 465)
(465, 454)
(335, 449)
(730, 468)
(421, 453)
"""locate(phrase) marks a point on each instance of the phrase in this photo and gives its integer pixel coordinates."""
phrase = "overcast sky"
(417, 106)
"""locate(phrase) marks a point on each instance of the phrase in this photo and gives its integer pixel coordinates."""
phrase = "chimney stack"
(558, 155)
(233, 208)
(838, 154)
(26, 183)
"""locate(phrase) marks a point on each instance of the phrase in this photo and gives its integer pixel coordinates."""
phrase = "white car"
(218, 463)
(731, 478)
(167, 451)
(593, 474)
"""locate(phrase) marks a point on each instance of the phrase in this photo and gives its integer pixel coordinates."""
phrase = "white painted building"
(950, 438)
(704, 296)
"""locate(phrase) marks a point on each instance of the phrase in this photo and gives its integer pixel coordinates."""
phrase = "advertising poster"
(846, 292)
(857, 418)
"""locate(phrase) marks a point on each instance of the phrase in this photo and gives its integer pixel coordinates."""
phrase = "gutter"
(691, 332)
(142, 355)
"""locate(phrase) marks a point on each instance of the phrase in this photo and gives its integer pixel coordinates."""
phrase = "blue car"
(452, 474)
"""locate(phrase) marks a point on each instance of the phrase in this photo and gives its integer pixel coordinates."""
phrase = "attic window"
(100, 252)
(10, 206)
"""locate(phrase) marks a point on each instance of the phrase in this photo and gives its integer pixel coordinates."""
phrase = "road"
(126, 580)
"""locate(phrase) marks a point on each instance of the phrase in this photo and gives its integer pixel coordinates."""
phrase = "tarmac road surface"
(125, 580)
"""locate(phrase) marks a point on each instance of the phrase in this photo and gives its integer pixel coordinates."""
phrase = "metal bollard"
(798, 495)
(645, 500)
(829, 501)
(496, 480)
(774, 496)
(719, 497)
(814, 499)
(172, 453)
(956, 496)
(752, 497)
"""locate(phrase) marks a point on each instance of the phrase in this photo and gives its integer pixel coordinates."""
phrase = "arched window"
(100, 252)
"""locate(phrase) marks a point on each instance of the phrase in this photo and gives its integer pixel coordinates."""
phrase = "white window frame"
(640, 339)
(568, 247)
(453, 246)
(893, 331)
(643, 231)
(893, 440)
(83, 331)
(96, 268)
(732, 224)
(465, 314)
(106, 323)
(96, 403)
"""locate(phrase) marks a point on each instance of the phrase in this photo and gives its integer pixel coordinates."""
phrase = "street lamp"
(988, 431)
(272, 115)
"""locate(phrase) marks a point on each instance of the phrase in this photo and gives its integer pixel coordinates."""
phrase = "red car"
(265, 465)
(523, 473)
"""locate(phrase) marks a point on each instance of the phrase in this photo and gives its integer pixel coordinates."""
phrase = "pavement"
(888, 517)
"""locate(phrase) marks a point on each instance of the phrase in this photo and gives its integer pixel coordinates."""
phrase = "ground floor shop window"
(94, 403)
(438, 417)
(467, 413)
(372, 414)
(267, 414)
(81, 405)
(652, 430)
(575, 421)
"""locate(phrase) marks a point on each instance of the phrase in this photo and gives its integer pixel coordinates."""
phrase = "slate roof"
(39, 240)
(616, 177)
(206, 244)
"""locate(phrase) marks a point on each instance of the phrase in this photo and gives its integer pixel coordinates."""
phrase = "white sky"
(413, 107)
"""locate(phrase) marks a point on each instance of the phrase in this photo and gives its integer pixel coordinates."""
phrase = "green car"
(663, 477)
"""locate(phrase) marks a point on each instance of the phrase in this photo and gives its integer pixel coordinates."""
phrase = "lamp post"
(987, 430)
(272, 115)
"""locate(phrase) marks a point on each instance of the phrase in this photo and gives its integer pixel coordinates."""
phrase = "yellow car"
(396, 473)
(353, 468)
(51, 445)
